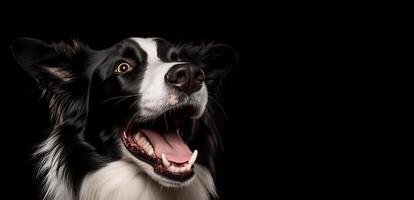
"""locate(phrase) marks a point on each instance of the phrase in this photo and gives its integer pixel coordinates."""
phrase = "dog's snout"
(185, 77)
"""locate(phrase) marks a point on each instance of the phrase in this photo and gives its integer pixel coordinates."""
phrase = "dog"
(129, 122)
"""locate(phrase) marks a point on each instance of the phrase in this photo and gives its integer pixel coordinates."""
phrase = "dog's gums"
(160, 144)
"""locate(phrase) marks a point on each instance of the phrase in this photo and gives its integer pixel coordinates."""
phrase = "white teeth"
(165, 161)
(187, 168)
(172, 168)
(142, 141)
(150, 151)
(175, 169)
(184, 169)
(181, 169)
(137, 136)
(193, 158)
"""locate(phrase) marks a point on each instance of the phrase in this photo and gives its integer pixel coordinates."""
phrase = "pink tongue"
(170, 144)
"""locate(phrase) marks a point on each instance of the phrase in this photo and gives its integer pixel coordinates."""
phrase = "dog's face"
(143, 99)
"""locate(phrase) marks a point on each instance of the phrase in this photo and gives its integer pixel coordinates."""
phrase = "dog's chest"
(123, 180)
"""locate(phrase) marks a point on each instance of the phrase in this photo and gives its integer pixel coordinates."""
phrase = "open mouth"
(161, 143)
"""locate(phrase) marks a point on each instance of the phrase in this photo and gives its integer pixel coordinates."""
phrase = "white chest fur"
(125, 180)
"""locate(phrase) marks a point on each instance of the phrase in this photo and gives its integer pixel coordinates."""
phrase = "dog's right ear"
(45, 62)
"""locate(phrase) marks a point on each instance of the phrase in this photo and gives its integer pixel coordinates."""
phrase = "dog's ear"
(219, 59)
(45, 62)
(55, 67)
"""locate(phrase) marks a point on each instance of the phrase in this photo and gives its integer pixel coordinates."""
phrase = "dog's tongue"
(170, 144)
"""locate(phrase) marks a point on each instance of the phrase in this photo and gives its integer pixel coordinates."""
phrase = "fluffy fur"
(90, 107)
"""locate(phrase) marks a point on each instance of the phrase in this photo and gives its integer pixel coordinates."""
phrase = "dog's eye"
(123, 68)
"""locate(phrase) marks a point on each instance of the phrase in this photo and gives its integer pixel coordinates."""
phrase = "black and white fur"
(83, 158)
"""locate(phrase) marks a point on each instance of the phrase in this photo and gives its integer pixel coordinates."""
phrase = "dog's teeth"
(137, 136)
(165, 161)
(183, 169)
(188, 167)
(172, 168)
(145, 146)
(150, 151)
(145, 141)
(175, 169)
(140, 141)
(193, 158)
(179, 169)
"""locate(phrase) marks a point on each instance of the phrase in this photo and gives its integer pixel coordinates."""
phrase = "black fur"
(78, 82)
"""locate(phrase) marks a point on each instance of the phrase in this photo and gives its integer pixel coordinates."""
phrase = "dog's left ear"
(219, 59)
(47, 63)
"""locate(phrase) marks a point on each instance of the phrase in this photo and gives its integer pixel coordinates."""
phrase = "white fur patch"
(154, 91)
(150, 47)
(55, 185)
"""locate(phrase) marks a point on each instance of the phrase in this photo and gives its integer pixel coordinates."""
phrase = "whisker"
(117, 97)
(210, 122)
(220, 106)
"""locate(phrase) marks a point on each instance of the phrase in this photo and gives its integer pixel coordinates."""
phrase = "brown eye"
(123, 68)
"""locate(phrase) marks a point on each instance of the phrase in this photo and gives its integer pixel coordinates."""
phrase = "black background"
(296, 103)
(272, 140)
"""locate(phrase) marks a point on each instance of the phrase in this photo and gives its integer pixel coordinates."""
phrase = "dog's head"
(143, 99)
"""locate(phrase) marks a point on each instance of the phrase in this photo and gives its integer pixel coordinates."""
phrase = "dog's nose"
(185, 77)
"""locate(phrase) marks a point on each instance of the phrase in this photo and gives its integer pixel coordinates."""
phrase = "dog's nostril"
(180, 76)
(185, 77)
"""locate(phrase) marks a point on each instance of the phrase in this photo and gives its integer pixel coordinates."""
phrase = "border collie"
(129, 122)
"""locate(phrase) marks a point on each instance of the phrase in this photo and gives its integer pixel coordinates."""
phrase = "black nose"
(185, 77)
